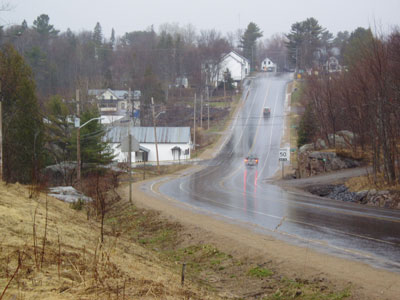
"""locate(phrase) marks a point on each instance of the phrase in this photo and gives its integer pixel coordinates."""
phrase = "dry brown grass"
(75, 264)
(368, 182)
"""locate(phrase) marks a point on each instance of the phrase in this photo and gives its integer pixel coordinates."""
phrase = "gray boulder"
(67, 194)
(306, 147)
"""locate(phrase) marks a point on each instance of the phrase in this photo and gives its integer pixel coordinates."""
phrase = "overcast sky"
(270, 16)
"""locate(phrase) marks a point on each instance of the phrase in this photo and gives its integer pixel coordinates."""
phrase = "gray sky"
(270, 16)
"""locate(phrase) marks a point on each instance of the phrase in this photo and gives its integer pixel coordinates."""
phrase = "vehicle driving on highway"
(251, 160)
(267, 111)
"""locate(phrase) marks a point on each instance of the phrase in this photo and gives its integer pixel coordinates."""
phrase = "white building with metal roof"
(174, 143)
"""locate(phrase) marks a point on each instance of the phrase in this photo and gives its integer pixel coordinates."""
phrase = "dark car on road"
(251, 160)
(266, 111)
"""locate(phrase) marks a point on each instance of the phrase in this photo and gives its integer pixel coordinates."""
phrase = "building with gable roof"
(174, 143)
(115, 101)
(268, 65)
(238, 65)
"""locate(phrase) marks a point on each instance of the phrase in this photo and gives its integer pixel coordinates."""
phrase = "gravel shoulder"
(338, 177)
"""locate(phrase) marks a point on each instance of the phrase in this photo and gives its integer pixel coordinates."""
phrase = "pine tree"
(304, 39)
(228, 80)
(95, 150)
(112, 38)
(58, 131)
(42, 26)
(306, 130)
(22, 122)
(248, 42)
(98, 35)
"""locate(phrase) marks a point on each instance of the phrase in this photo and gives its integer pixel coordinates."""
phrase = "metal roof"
(146, 134)
(120, 94)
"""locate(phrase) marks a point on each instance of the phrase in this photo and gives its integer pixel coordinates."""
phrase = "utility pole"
(194, 123)
(155, 135)
(208, 109)
(78, 143)
(1, 135)
(201, 111)
(224, 89)
(130, 163)
(132, 106)
(252, 60)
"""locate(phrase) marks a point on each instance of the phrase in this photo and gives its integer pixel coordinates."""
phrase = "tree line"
(146, 60)
(363, 98)
(41, 67)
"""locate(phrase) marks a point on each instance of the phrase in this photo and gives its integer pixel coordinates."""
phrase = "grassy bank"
(214, 270)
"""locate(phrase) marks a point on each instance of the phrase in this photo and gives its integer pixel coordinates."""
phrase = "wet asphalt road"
(227, 187)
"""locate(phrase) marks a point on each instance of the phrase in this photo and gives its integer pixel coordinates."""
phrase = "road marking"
(270, 137)
(222, 182)
(287, 219)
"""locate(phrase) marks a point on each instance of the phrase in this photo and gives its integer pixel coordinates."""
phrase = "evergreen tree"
(228, 80)
(248, 42)
(307, 127)
(358, 42)
(22, 122)
(24, 25)
(95, 150)
(98, 35)
(42, 26)
(151, 87)
(304, 39)
(112, 38)
(58, 131)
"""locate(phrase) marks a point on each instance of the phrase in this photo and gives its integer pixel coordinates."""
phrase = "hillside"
(141, 258)
(72, 264)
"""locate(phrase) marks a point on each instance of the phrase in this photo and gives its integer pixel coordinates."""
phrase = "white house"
(116, 101)
(332, 65)
(238, 65)
(182, 82)
(174, 143)
(268, 65)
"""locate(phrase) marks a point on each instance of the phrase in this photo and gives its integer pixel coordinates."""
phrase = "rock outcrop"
(387, 199)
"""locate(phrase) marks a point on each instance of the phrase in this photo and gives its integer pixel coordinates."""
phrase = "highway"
(227, 187)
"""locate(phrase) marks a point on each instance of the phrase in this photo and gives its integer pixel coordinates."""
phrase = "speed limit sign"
(284, 154)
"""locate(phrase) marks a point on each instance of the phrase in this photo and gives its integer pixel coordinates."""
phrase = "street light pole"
(194, 123)
(155, 134)
(78, 140)
(1, 136)
(78, 143)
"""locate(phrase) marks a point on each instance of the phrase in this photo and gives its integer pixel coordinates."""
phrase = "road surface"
(228, 188)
